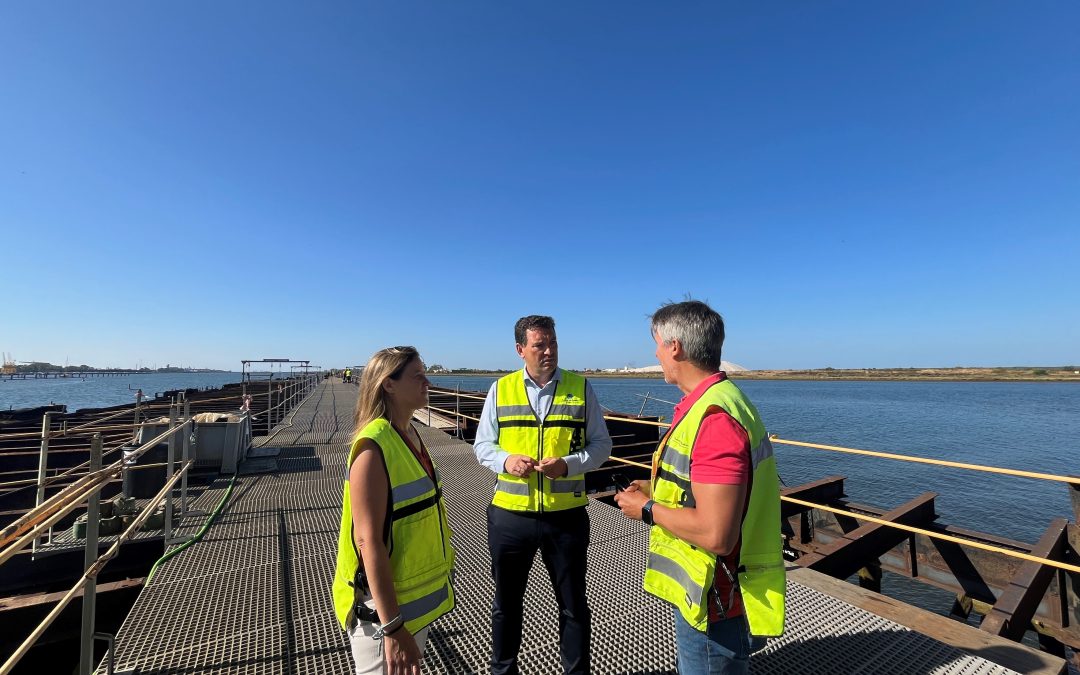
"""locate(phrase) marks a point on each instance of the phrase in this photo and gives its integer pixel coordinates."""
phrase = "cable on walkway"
(198, 535)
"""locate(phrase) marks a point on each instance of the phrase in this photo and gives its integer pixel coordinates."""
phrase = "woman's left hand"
(402, 653)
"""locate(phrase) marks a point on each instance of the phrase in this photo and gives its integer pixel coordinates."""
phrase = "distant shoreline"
(1012, 374)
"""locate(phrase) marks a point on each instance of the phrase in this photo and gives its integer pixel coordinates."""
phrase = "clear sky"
(850, 184)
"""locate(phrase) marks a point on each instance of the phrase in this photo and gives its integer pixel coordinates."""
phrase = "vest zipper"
(540, 474)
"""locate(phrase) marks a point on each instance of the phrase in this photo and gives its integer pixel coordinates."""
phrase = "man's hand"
(519, 465)
(552, 467)
(633, 498)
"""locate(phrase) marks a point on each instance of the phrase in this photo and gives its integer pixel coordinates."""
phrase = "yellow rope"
(938, 462)
(939, 535)
(909, 528)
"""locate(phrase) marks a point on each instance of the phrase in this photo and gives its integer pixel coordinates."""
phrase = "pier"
(59, 374)
(254, 594)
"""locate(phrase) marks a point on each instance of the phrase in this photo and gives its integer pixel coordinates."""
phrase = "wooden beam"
(20, 601)
(1016, 657)
(1013, 611)
(847, 554)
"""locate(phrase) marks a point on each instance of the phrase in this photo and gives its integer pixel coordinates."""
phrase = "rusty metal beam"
(980, 576)
(1074, 496)
(862, 546)
(1013, 611)
(821, 491)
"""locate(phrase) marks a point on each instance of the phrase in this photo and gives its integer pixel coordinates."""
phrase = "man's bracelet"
(388, 627)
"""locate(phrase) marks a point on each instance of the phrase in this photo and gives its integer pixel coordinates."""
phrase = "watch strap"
(646, 512)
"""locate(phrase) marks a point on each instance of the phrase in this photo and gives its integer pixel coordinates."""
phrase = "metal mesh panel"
(254, 595)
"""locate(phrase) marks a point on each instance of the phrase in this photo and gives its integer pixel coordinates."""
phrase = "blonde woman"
(394, 554)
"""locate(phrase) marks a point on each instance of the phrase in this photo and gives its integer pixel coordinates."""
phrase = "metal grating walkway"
(254, 595)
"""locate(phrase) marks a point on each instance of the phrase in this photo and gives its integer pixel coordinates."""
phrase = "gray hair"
(697, 327)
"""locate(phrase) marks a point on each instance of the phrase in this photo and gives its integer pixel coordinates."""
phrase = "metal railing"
(28, 529)
(35, 526)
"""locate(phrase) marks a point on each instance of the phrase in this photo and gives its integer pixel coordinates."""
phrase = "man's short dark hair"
(697, 327)
(532, 322)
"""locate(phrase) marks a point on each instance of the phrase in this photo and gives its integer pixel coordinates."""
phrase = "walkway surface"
(254, 595)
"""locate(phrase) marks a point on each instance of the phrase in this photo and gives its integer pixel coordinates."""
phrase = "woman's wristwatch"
(646, 512)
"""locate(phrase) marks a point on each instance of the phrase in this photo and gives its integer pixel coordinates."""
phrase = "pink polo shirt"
(720, 456)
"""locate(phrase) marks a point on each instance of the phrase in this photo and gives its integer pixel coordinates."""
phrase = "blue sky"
(849, 184)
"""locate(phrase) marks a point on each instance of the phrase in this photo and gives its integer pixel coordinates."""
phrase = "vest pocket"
(681, 576)
(422, 555)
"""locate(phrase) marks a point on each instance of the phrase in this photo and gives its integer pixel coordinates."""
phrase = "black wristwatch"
(646, 512)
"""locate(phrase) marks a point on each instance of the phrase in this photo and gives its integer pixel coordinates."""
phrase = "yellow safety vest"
(522, 433)
(421, 555)
(682, 573)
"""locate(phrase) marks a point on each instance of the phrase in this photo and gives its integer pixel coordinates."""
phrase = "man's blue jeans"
(723, 650)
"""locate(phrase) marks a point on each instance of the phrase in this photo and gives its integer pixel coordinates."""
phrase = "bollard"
(43, 465)
(89, 602)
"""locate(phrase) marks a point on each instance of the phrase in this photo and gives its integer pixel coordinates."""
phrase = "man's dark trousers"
(563, 540)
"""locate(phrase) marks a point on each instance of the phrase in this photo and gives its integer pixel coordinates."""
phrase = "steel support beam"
(1013, 611)
(820, 492)
(862, 546)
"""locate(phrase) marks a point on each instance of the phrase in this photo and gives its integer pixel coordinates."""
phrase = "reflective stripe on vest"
(683, 574)
(521, 433)
(421, 555)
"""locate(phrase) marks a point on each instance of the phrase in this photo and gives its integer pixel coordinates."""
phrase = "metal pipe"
(189, 429)
(43, 464)
(110, 664)
(93, 518)
(169, 473)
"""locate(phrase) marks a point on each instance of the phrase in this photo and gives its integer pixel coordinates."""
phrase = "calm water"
(1031, 426)
(101, 392)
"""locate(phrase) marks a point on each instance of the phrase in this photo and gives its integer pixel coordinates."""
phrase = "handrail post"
(189, 430)
(43, 465)
(269, 401)
(173, 409)
(457, 411)
(138, 410)
(89, 602)
(1074, 497)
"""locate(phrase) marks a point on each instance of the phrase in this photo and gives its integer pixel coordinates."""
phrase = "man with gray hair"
(713, 503)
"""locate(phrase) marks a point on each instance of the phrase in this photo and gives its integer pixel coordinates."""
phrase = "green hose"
(198, 535)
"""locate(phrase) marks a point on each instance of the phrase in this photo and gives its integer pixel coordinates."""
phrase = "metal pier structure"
(253, 596)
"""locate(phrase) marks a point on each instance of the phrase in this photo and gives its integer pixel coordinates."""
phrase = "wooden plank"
(1013, 611)
(20, 601)
(846, 555)
(966, 638)
(434, 419)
